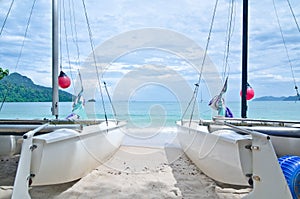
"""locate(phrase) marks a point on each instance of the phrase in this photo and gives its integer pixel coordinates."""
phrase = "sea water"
(145, 114)
(153, 122)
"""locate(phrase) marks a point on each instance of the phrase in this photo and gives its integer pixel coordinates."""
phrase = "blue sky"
(156, 70)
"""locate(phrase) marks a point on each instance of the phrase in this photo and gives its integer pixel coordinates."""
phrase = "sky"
(153, 50)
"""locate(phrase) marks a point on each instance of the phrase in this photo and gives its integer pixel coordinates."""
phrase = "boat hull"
(286, 145)
(65, 155)
(224, 154)
(285, 140)
(11, 132)
(221, 155)
(9, 145)
(285, 135)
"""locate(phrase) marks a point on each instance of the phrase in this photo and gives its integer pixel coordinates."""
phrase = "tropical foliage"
(3, 73)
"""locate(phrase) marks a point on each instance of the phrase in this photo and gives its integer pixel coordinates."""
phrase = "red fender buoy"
(63, 80)
(249, 93)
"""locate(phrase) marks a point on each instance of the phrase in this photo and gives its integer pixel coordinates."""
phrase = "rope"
(66, 37)
(75, 40)
(74, 37)
(190, 102)
(25, 35)
(7, 14)
(230, 30)
(72, 24)
(286, 50)
(23, 42)
(80, 79)
(60, 38)
(94, 59)
(195, 93)
(2, 27)
(5, 95)
(2, 103)
(293, 15)
(112, 106)
(291, 9)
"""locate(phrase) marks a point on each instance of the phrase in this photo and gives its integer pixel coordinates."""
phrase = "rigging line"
(66, 36)
(226, 38)
(203, 61)
(112, 106)
(207, 43)
(80, 79)
(25, 34)
(230, 28)
(5, 95)
(70, 18)
(190, 102)
(6, 17)
(286, 50)
(293, 15)
(23, 43)
(296, 88)
(2, 27)
(75, 40)
(94, 59)
(4, 99)
(2, 103)
(60, 38)
(234, 16)
(71, 25)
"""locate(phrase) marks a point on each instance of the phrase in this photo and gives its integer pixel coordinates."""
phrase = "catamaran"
(58, 150)
(241, 151)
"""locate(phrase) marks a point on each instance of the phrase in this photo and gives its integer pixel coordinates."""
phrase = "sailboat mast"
(244, 59)
(55, 98)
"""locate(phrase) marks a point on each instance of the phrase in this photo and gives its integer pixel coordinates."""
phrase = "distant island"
(19, 88)
(271, 98)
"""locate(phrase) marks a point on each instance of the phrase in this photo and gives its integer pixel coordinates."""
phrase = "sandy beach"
(133, 172)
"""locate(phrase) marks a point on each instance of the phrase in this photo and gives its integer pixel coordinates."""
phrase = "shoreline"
(133, 172)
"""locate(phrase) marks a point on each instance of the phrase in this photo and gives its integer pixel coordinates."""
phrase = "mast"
(55, 98)
(244, 59)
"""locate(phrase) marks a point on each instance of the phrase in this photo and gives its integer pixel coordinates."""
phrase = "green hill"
(18, 88)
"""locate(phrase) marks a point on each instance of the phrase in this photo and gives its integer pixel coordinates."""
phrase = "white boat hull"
(285, 140)
(221, 156)
(65, 155)
(9, 145)
(11, 132)
(224, 155)
(286, 146)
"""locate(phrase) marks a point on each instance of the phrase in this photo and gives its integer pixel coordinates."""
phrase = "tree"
(3, 73)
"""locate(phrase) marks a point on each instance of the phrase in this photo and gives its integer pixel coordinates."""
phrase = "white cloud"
(187, 17)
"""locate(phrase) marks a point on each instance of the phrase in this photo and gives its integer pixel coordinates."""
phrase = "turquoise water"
(277, 110)
(153, 114)
(152, 123)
